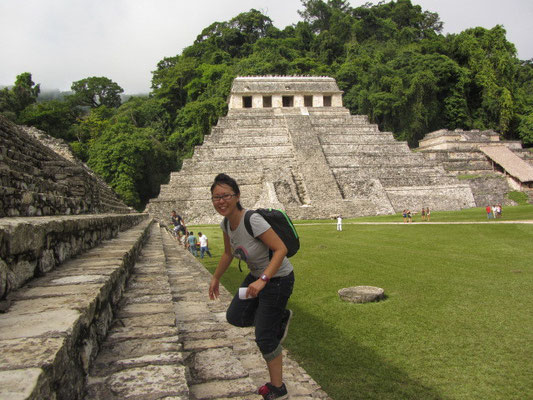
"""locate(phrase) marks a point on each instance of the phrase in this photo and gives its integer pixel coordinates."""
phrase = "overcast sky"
(62, 41)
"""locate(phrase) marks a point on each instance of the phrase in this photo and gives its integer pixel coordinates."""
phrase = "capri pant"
(264, 312)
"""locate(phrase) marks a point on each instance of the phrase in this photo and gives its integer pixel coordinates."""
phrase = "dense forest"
(390, 59)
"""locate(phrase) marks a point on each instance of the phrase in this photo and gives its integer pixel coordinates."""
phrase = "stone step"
(374, 159)
(201, 179)
(223, 360)
(233, 166)
(195, 193)
(342, 137)
(388, 171)
(54, 325)
(351, 129)
(240, 151)
(142, 356)
(20, 202)
(246, 139)
(34, 246)
(387, 149)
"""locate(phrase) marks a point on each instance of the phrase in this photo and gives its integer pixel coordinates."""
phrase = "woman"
(269, 283)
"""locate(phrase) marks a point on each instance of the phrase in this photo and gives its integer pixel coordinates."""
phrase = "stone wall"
(31, 247)
(37, 181)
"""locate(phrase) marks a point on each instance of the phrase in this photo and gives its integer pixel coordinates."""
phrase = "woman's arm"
(279, 251)
(223, 264)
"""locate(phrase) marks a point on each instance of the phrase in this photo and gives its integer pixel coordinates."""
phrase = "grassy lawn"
(456, 323)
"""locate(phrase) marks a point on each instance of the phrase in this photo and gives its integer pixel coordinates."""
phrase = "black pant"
(264, 312)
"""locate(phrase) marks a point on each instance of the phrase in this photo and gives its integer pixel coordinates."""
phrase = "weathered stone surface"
(361, 294)
(221, 389)
(149, 382)
(217, 363)
(29, 352)
(51, 323)
(20, 384)
(159, 319)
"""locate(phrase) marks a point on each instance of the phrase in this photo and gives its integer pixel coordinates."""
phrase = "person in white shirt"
(339, 223)
(204, 247)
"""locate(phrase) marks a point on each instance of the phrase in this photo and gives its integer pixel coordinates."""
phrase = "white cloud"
(61, 41)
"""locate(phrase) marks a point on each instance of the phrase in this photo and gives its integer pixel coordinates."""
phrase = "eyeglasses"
(224, 197)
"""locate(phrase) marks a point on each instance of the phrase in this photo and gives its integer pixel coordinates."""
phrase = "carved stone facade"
(284, 92)
(314, 161)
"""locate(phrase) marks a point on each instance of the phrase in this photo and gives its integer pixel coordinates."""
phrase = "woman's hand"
(255, 287)
(214, 288)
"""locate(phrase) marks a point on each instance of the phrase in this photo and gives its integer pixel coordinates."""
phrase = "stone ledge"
(34, 246)
(48, 340)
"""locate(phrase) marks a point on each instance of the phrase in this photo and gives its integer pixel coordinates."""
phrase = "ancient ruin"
(99, 302)
(493, 166)
(291, 144)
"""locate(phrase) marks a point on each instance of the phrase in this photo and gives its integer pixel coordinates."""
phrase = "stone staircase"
(52, 325)
(127, 319)
(170, 341)
(369, 164)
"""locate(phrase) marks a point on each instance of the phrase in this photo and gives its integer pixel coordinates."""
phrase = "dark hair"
(223, 179)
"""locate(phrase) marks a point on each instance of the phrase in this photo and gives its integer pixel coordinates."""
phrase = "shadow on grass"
(354, 371)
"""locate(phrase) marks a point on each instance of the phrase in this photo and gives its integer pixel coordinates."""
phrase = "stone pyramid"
(290, 144)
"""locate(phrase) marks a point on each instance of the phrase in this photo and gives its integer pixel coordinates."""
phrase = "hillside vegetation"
(390, 59)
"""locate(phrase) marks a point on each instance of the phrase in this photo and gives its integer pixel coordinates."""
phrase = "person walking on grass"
(191, 241)
(204, 246)
(339, 223)
(269, 283)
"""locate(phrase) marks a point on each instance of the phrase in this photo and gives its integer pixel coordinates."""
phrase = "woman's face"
(224, 199)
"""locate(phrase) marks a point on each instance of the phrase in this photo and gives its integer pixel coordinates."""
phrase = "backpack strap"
(248, 226)
(247, 223)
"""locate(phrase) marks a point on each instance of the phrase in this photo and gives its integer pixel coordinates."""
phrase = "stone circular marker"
(361, 294)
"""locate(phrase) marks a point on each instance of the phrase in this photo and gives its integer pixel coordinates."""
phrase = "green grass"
(478, 214)
(518, 197)
(456, 323)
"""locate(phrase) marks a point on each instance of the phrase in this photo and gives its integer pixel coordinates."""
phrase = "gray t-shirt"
(253, 251)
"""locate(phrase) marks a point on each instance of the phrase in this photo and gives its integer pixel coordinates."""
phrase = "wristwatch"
(264, 278)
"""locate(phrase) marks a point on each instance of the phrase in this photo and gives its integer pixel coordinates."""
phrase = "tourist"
(409, 216)
(269, 283)
(339, 223)
(192, 240)
(404, 216)
(488, 209)
(427, 214)
(179, 224)
(499, 210)
(423, 214)
(493, 210)
(204, 247)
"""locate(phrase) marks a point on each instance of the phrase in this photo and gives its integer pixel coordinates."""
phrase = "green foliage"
(55, 117)
(96, 91)
(131, 161)
(518, 197)
(13, 101)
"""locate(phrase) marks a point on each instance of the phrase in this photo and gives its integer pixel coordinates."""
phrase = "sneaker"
(284, 327)
(270, 392)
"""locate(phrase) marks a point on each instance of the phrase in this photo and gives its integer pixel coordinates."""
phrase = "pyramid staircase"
(313, 162)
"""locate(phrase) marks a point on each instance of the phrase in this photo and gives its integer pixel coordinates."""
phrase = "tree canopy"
(390, 59)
